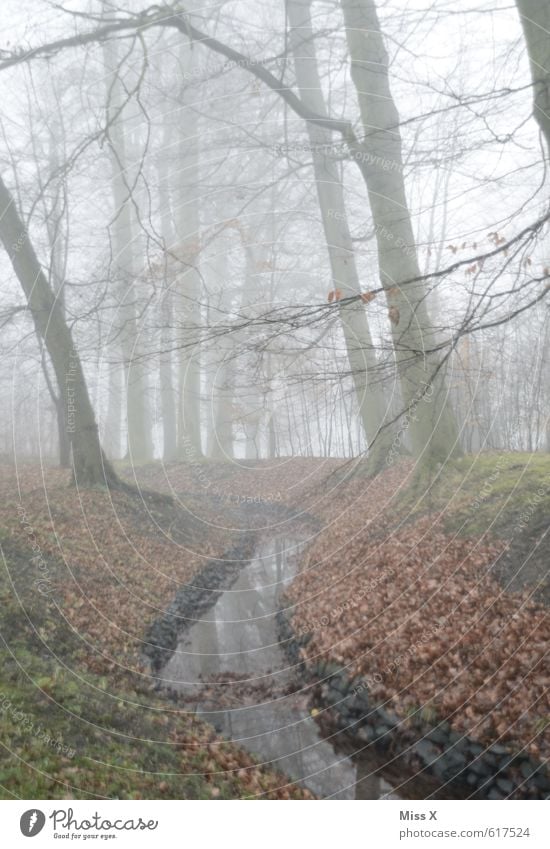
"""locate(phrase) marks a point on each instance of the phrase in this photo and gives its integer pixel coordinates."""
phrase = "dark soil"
(525, 565)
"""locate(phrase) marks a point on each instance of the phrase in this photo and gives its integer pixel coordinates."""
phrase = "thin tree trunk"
(140, 444)
(167, 395)
(166, 380)
(222, 401)
(187, 226)
(113, 419)
(270, 406)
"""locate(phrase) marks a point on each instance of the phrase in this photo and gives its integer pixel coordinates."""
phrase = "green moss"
(67, 733)
(485, 492)
(63, 737)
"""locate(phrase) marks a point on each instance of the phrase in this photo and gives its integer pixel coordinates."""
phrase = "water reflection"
(231, 664)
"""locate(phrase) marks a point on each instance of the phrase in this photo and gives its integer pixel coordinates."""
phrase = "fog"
(193, 228)
(275, 278)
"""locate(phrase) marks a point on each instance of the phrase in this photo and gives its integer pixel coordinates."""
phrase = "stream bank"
(226, 651)
(417, 756)
(216, 651)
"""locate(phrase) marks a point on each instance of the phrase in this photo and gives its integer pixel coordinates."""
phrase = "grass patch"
(69, 733)
(480, 493)
(62, 738)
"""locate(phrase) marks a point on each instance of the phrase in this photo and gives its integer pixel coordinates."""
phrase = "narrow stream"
(231, 667)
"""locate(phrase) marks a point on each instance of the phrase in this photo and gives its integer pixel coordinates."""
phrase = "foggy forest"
(275, 383)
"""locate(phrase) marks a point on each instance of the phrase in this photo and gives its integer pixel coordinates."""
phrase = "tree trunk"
(64, 442)
(428, 415)
(167, 397)
(218, 361)
(272, 441)
(55, 211)
(535, 20)
(90, 466)
(111, 430)
(222, 402)
(140, 444)
(166, 378)
(330, 193)
(187, 226)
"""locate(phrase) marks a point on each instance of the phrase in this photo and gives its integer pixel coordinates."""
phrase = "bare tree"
(89, 463)
(359, 344)
(433, 430)
(535, 20)
(125, 266)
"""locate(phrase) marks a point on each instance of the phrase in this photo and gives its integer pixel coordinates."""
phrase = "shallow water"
(230, 665)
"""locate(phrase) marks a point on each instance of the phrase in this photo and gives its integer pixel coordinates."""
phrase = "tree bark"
(55, 211)
(111, 429)
(188, 286)
(166, 377)
(535, 20)
(140, 444)
(90, 466)
(429, 418)
(222, 403)
(330, 192)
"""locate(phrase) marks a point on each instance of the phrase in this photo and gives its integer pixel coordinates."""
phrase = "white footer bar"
(272, 825)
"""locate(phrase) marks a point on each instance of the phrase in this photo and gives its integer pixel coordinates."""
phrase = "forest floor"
(417, 585)
(437, 595)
